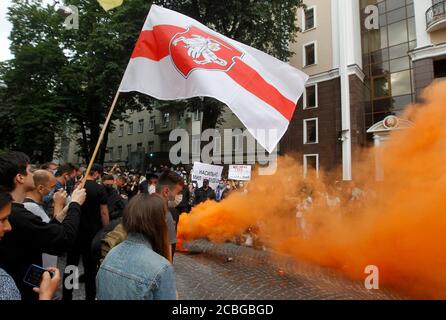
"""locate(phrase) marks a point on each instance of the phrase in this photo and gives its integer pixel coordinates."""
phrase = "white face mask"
(152, 189)
(176, 202)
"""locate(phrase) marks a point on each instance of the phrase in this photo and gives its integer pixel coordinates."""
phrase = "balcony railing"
(169, 126)
(436, 16)
(164, 128)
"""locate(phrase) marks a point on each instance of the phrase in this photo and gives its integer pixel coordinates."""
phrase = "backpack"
(107, 238)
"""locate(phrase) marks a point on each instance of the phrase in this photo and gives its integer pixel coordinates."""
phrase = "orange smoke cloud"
(398, 226)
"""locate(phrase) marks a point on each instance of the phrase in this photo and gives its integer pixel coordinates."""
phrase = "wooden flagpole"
(101, 138)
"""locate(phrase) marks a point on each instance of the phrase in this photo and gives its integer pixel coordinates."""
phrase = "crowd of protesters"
(120, 224)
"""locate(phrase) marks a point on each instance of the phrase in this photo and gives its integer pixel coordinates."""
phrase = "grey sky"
(5, 29)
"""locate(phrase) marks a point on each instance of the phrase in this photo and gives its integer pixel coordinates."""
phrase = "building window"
(166, 119)
(311, 131)
(119, 153)
(121, 130)
(141, 126)
(195, 146)
(129, 150)
(110, 154)
(152, 123)
(130, 131)
(401, 83)
(139, 147)
(309, 18)
(311, 165)
(217, 145)
(381, 88)
(310, 97)
(398, 33)
(440, 68)
(151, 146)
(309, 54)
(237, 142)
(386, 59)
(164, 146)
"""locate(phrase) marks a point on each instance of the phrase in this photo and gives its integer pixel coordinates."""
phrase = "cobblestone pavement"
(205, 273)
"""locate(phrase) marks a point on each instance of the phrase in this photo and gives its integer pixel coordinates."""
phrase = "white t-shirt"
(36, 209)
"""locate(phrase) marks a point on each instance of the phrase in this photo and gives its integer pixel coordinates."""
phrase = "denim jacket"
(133, 271)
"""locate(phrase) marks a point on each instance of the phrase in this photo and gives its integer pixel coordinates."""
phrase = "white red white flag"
(177, 57)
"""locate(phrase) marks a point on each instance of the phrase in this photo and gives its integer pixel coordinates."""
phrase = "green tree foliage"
(30, 104)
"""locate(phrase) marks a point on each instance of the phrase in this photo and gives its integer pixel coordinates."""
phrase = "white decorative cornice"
(428, 52)
(397, 124)
(334, 73)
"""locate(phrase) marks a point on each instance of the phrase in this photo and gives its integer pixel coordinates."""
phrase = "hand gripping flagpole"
(101, 138)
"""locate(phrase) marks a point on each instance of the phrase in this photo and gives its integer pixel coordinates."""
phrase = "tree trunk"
(84, 145)
(212, 111)
(103, 148)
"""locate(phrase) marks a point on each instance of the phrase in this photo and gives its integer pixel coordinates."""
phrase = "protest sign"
(202, 171)
(240, 172)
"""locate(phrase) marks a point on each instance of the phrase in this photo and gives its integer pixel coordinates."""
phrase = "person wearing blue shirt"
(140, 267)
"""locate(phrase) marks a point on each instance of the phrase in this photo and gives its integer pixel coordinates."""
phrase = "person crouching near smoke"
(139, 267)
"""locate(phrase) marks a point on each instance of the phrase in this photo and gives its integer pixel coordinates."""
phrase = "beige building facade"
(367, 60)
(142, 139)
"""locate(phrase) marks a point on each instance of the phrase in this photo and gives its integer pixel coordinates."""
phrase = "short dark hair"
(151, 175)
(47, 165)
(65, 168)
(5, 199)
(96, 167)
(170, 179)
(11, 164)
(108, 177)
(122, 178)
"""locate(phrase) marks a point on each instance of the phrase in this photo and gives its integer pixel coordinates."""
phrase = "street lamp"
(64, 11)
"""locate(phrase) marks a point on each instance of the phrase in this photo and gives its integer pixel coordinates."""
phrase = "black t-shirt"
(115, 203)
(91, 221)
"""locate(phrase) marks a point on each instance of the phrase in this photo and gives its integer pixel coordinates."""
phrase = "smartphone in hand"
(34, 275)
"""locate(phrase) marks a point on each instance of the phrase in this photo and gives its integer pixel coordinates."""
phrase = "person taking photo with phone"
(8, 288)
(30, 237)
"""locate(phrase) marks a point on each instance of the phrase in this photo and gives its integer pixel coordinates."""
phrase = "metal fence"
(435, 13)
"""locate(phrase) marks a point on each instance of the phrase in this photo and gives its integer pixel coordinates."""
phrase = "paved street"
(205, 273)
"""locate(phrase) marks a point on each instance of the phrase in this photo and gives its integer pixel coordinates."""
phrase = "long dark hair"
(146, 214)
